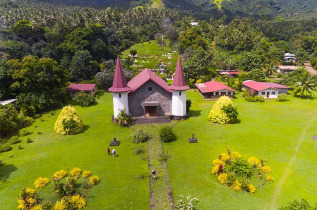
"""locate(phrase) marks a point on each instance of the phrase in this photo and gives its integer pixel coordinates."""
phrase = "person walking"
(108, 150)
(113, 152)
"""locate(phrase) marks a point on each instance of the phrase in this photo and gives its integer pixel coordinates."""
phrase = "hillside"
(204, 9)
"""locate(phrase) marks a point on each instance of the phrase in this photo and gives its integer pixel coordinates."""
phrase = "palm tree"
(270, 69)
(307, 84)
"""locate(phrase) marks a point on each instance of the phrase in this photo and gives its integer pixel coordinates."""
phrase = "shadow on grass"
(86, 127)
(194, 113)
(6, 170)
(306, 97)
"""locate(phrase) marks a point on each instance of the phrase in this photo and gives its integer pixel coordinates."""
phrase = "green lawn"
(269, 130)
(119, 187)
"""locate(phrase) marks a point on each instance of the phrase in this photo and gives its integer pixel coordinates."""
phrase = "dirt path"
(161, 196)
(309, 68)
(289, 166)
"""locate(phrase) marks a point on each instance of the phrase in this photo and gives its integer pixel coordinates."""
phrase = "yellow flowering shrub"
(217, 115)
(60, 205)
(41, 182)
(39, 207)
(224, 157)
(253, 161)
(30, 191)
(70, 117)
(251, 188)
(270, 178)
(78, 202)
(234, 155)
(217, 162)
(59, 175)
(266, 169)
(28, 199)
(75, 172)
(215, 169)
(222, 178)
(86, 174)
(236, 185)
(94, 180)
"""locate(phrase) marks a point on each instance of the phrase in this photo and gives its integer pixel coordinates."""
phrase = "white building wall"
(120, 103)
(179, 103)
(226, 91)
(273, 93)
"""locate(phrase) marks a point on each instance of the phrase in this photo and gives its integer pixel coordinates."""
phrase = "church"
(147, 95)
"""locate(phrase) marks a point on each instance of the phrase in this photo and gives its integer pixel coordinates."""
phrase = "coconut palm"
(307, 85)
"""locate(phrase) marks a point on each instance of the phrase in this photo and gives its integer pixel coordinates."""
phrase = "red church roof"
(212, 86)
(258, 86)
(145, 76)
(81, 87)
(119, 83)
(179, 79)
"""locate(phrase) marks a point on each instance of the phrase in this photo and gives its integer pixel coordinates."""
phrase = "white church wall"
(120, 101)
(179, 103)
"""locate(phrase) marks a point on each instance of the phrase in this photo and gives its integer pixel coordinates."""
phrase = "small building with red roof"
(73, 89)
(148, 95)
(213, 90)
(265, 89)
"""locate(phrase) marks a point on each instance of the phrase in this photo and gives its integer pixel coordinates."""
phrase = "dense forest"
(204, 9)
(43, 47)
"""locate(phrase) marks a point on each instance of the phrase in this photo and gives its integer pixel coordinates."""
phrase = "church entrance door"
(150, 111)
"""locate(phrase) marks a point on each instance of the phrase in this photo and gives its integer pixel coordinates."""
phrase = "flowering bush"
(186, 203)
(86, 174)
(75, 172)
(94, 180)
(223, 111)
(68, 122)
(28, 198)
(233, 171)
(254, 161)
(41, 182)
(66, 186)
(59, 175)
(269, 178)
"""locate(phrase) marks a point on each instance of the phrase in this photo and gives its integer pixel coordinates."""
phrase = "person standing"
(113, 152)
(153, 174)
(108, 150)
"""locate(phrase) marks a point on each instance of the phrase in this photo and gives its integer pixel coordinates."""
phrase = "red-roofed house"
(213, 90)
(265, 89)
(148, 95)
(286, 69)
(73, 89)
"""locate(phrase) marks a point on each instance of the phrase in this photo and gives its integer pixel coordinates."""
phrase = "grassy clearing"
(158, 4)
(270, 130)
(218, 3)
(151, 52)
(50, 152)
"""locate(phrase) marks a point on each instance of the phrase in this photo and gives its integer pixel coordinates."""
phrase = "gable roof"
(81, 87)
(145, 76)
(212, 86)
(179, 82)
(258, 86)
(119, 83)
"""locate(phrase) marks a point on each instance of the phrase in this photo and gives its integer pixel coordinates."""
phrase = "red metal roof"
(145, 76)
(179, 82)
(212, 86)
(258, 86)
(119, 83)
(81, 87)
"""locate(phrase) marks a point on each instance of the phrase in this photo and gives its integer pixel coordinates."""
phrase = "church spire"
(119, 83)
(179, 79)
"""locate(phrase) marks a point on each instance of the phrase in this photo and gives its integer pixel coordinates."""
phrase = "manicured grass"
(119, 187)
(269, 130)
(152, 53)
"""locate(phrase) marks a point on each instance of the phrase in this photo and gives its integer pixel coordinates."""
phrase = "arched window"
(180, 93)
(119, 95)
(150, 88)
